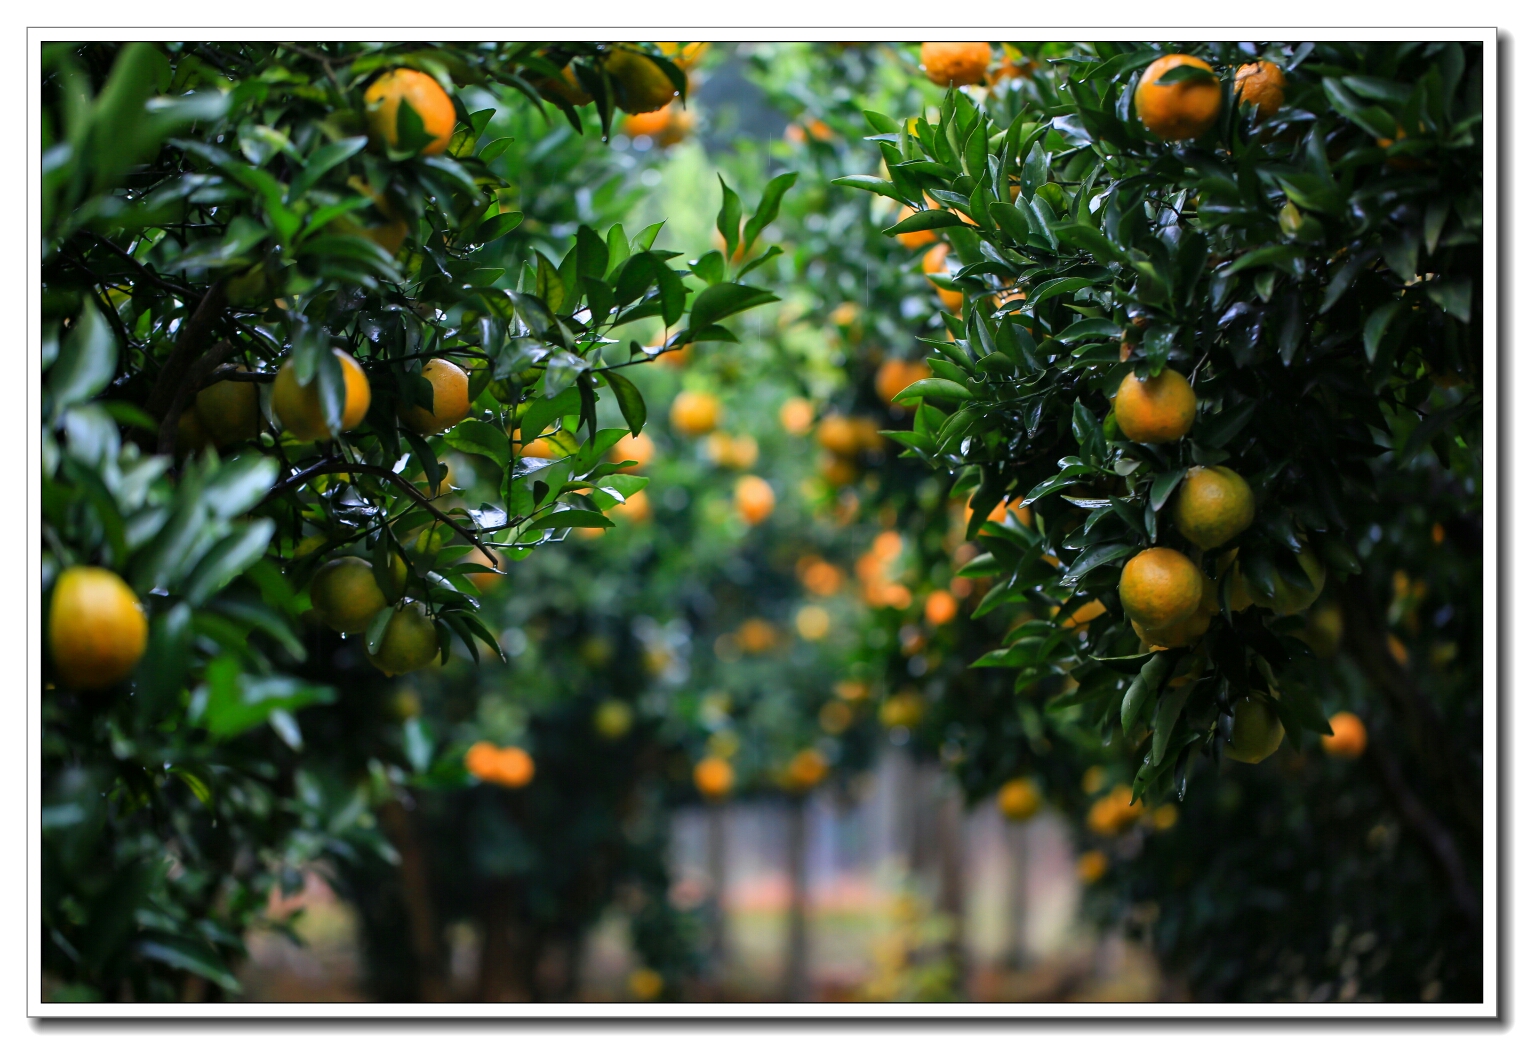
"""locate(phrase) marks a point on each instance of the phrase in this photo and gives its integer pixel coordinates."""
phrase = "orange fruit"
(1091, 866)
(694, 413)
(896, 375)
(1348, 740)
(515, 767)
(838, 471)
(796, 415)
(1287, 598)
(806, 769)
(1262, 84)
(452, 399)
(1158, 410)
(300, 411)
(636, 508)
(754, 498)
(813, 623)
(1019, 799)
(409, 641)
(1179, 110)
(645, 984)
(96, 627)
(818, 576)
(838, 435)
(913, 240)
(713, 777)
(1160, 587)
(941, 607)
(1184, 633)
(935, 259)
(958, 64)
(423, 95)
(638, 448)
(229, 411)
(902, 710)
(639, 84)
(1212, 506)
(345, 594)
(1084, 614)
(1257, 731)
(684, 55)
(668, 125)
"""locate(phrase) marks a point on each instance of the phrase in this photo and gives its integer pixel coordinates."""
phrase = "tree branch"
(194, 378)
(1366, 634)
(1437, 840)
(331, 465)
(193, 335)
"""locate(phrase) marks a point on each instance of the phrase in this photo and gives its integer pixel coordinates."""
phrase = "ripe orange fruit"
(913, 240)
(300, 411)
(515, 767)
(902, 710)
(1114, 812)
(796, 415)
(1181, 110)
(838, 471)
(1157, 410)
(345, 594)
(818, 576)
(1184, 633)
(754, 498)
(667, 126)
(1348, 740)
(838, 435)
(806, 769)
(813, 623)
(423, 95)
(713, 777)
(1160, 587)
(96, 627)
(728, 451)
(1091, 866)
(229, 411)
(1262, 84)
(1212, 506)
(452, 399)
(941, 608)
(409, 641)
(694, 413)
(638, 448)
(1257, 731)
(935, 259)
(1084, 614)
(686, 55)
(896, 375)
(958, 64)
(636, 508)
(1019, 799)
(639, 84)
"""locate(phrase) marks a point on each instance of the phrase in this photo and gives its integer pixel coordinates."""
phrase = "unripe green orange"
(345, 594)
(409, 641)
(1212, 506)
(1257, 731)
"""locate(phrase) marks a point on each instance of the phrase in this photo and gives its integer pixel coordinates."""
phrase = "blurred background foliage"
(799, 639)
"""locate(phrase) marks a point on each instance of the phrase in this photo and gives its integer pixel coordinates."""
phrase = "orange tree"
(1217, 314)
(274, 287)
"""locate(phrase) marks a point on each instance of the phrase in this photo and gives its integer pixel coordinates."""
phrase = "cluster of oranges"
(844, 440)
(510, 767)
(1116, 811)
(875, 573)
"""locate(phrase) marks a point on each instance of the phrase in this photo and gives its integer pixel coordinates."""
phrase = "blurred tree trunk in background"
(428, 945)
(950, 891)
(796, 955)
(1016, 923)
(716, 855)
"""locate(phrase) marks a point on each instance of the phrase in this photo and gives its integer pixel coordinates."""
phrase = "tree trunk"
(716, 856)
(1016, 925)
(950, 893)
(433, 971)
(796, 957)
(508, 955)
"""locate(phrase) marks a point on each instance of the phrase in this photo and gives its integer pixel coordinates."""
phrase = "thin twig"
(144, 271)
(330, 465)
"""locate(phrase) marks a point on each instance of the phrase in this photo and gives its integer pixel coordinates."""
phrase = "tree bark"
(950, 885)
(1016, 924)
(188, 345)
(718, 930)
(796, 956)
(508, 953)
(433, 973)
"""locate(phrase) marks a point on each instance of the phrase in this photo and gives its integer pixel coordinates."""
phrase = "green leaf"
(725, 299)
(191, 956)
(592, 254)
(1085, 329)
(86, 361)
(935, 387)
(577, 518)
(767, 208)
(497, 226)
(923, 220)
(228, 558)
(1142, 689)
(1185, 74)
(1097, 556)
(1165, 716)
(872, 184)
(1432, 426)
(543, 411)
(229, 703)
(1164, 485)
(729, 218)
(631, 404)
(323, 159)
(473, 436)
(1375, 327)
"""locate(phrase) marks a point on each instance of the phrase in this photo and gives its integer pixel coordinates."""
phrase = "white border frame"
(1488, 1008)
